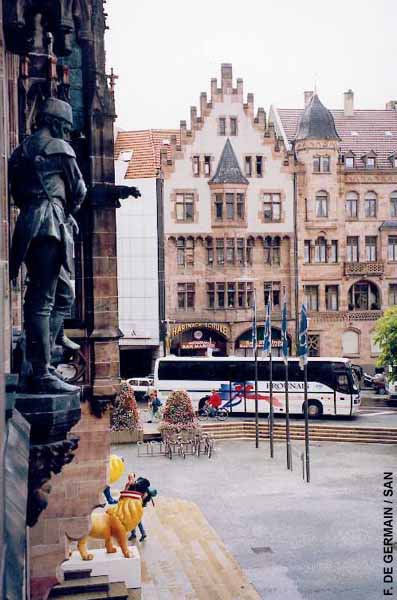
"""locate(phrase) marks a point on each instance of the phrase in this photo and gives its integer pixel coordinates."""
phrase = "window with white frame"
(392, 248)
(349, 162)
(321, 164)
(392, 294)
(352, 205)
(307, 251)
(371, 248)
(196, 166)
(322, 204)
(233, 125)
(333, 256)
(271, 207)
(222, 125)
(393, 204)
(370, 202)
(320, 250)
(229, 206)
(352, 249)
(184, 207)
(248, 166)
(272, 291)
(207, 165)
(350, 342)
(332, 297)
(186, 293)
(311, 297)
(259, 166)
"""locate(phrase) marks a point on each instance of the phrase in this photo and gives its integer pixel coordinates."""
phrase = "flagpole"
(255, 338)
(307, 455)
(271, 420)
(285, 354)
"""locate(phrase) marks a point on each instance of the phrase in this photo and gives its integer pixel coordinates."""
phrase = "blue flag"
(267, 335)
(284, 336)
(254, 327)
(302, 348)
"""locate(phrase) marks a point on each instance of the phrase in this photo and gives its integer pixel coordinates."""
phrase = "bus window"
(342, 383)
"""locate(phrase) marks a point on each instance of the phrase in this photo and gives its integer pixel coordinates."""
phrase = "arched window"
(276, 251)
(364, 295)
(350, 342)
(375, 349)
(189, 251)
(352, 205)
(250, 250)
(210, 250)
(322, 204)
(180, 252)
(320, 254)
(267, 246)
(393, 204)
(370, 203)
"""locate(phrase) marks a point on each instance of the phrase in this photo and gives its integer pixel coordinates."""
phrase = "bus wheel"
(315, 409)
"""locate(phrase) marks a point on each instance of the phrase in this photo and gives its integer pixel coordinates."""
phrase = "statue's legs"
(43, 263)
(64, 297)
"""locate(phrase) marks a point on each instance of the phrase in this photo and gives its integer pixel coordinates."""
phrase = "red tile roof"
(145, 146)
(370, 126)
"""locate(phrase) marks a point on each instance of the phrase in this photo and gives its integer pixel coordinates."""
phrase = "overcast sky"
(165, 53)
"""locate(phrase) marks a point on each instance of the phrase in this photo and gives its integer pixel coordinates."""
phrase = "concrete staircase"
(232, 430)
(79, 585)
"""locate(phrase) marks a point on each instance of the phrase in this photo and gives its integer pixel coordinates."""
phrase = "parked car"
(141, 386)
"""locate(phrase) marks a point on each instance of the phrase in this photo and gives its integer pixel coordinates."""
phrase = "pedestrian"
(154, 404)
(214, 402)
(130, 486)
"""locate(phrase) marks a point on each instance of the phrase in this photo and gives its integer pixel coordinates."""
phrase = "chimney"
(307, 96)
(226, 77)
(391, 105)
(348, 107)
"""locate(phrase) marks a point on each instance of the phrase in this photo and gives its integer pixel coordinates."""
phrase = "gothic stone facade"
(228, 223)
(346, 226)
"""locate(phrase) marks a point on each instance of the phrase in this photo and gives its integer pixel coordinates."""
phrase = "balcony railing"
(364, 268)
(346, 315)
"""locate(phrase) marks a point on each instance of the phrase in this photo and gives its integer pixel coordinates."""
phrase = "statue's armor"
(51, 189)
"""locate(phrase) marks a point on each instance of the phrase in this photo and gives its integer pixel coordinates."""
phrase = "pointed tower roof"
(228, 170)
(316, 122)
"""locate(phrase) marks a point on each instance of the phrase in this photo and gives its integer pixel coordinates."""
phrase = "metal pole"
(307, 455)
(271, 415)
(256, 399)
(287, 429)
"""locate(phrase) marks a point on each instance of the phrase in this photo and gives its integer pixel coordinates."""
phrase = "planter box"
(126, 437)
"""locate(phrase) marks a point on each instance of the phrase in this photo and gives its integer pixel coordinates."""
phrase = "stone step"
(82, 585)
(362, 440)
(298, 428)
(77, 574)
(113, 591)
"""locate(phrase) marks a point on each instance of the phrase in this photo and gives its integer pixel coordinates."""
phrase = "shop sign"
(181, 327)
(197, 345)
(244, 344)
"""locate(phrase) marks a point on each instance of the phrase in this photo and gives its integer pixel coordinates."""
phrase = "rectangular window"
(351, 206)
(370, 248)
(272, 290)
(233, 125)
(276, 295)
(220, 253)
(271, 207)
(352, 249)
(230, 251)
(180, 252)
(393, 294)
(248, 166)
(393, 205)
(207, 166)
(311, 297)
(370, 207)
(230, 207)
(241, 296)
(250, 246)
(240, 206)
(320, 250)
(220, 293)
(316, 164)
(210, 252)
(196, 166)
(276, 255)
(331, 297)
(184, 207)
(322, 205)
(250, 293)
(186, 294)
(349, 162)
(211, 295)
(333, 256)
(218, 207)
(325, 164)
(240, 251)
(259, 166)
(231, 295)
(307, 253)
(222, 126)
(392, 248)
(370, 163)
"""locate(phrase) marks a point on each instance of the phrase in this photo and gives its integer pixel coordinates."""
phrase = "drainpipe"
(296, 270)
(161, 257)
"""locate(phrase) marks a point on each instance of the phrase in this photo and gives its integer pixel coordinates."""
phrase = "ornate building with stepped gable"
(346, 215)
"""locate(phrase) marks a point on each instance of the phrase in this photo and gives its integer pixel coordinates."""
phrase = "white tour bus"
(332, 385)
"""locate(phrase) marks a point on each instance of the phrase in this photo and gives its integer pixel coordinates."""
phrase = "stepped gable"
(228, 170)
(316, 122)
(365, 130)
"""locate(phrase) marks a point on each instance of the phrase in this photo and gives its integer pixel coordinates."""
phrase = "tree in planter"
(125, 415)
(178, 413)
(386, 338)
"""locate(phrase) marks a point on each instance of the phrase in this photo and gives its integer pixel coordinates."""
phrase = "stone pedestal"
(116, 566)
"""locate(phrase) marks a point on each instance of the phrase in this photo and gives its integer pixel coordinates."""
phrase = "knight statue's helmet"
(57, 108)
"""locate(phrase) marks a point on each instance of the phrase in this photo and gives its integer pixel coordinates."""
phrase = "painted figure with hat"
(48, 188)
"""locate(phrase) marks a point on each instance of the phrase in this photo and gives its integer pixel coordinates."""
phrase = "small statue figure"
(48, 188)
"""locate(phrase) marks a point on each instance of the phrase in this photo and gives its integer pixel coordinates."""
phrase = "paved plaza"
(294, 541)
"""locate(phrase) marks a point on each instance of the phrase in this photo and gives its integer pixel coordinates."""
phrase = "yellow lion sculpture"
(115, 523)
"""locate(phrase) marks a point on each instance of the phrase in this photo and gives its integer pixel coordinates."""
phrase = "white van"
(141, 386)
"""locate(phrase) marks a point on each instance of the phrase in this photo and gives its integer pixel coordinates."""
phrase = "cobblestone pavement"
(294, 541)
